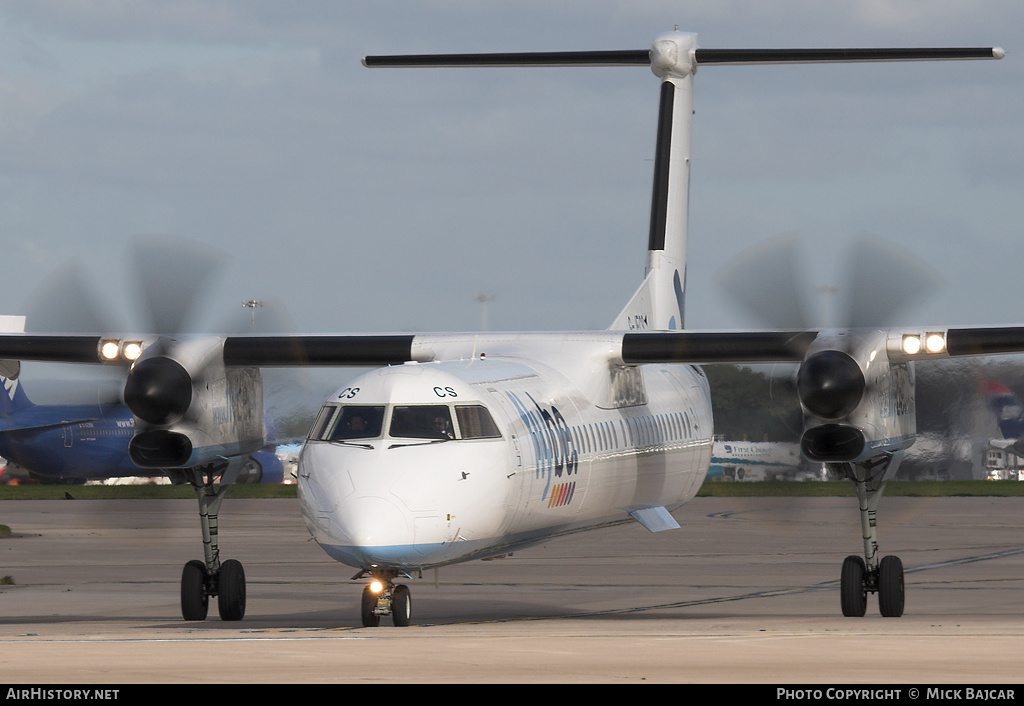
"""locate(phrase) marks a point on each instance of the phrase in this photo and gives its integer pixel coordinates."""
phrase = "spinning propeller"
(852, 395)
(882, 280)
(185, 402)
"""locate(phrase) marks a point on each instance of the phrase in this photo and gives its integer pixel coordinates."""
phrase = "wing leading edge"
(695, 347)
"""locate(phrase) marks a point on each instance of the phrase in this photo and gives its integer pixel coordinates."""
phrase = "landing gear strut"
(202, 579)
(861, 576)
(383, 597)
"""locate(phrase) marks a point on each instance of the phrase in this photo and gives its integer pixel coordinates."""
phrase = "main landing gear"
(202, 579)
(861, 576)
(383, 597)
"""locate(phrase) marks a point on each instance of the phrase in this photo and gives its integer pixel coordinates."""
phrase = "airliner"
(467, 446)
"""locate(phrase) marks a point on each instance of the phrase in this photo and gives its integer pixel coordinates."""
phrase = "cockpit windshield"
(432, 421)
(426, 421)
(349, 422)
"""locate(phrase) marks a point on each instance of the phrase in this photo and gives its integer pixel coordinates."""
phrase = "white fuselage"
(562, 452)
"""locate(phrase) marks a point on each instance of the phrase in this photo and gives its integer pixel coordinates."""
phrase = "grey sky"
(386, 200)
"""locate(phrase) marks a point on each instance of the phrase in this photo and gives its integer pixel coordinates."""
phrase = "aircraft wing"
(792, 346)
(199, 398)
(341, 350)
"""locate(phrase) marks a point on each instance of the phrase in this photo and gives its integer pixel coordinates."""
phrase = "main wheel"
(194, 601)
(231, 590)
(401, 606)
(852, 591)
(890, 587)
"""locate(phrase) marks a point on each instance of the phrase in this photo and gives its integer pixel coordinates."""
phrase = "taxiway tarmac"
(746, 592)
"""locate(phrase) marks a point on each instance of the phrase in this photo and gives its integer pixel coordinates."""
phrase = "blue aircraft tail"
(12, 396)
(1007, 407)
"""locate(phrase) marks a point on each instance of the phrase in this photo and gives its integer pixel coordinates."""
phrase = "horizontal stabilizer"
(654, 519)
(626, 57)
(700, 57)
(828, 56)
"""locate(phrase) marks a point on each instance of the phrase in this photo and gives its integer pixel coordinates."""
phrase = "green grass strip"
(954, 488)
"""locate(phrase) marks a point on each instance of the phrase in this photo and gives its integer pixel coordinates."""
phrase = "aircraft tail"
(673, 58)
(658, 303)
(1008, 409)
(13, 397)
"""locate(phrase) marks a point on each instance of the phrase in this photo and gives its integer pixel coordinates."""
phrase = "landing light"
(923, 344)
(109, 350)
(911, 345)
(376, 586)
(935, 343)
(115, 351)
(131, 350)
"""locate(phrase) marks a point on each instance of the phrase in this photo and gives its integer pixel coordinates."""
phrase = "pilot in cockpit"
(356, 424)
(441, 428)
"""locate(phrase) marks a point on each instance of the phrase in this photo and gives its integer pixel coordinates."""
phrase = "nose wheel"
(383, 597)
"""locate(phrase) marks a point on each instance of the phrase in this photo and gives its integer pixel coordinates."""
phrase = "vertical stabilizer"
(12, 397)
(658, 303)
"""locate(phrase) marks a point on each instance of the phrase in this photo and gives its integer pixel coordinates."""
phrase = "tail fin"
(1007, 408)
(658, 303)
(13, 398)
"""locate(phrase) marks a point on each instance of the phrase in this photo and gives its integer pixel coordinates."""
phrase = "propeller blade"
(884, 280)
(66, 302)
(765, 282)
(173, 276)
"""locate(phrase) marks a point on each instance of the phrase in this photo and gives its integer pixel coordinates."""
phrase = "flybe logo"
(553, 444)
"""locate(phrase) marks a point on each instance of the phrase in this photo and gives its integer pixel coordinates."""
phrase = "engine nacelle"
(189, 408)
(857, 403)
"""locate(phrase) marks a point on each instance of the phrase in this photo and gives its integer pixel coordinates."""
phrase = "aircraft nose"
(372, 527)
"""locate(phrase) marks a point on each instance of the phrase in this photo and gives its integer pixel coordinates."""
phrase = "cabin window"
(433, 421)
(475, 422)
(356, 422)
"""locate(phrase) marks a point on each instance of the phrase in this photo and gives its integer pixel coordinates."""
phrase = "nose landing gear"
(383, 597)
